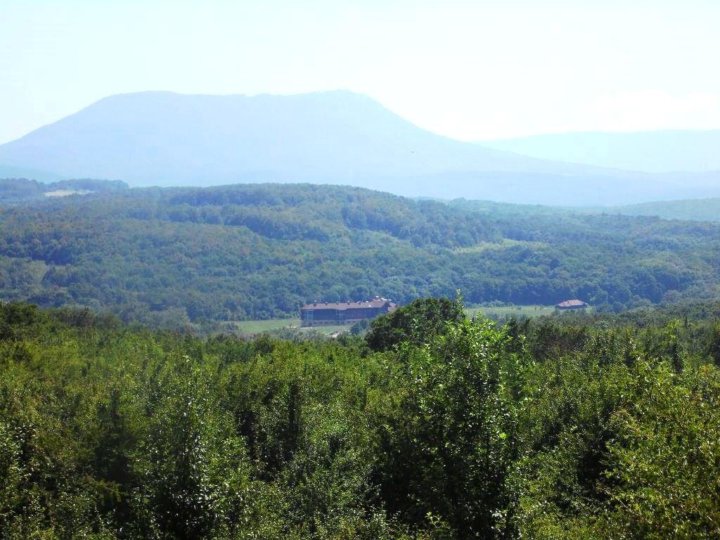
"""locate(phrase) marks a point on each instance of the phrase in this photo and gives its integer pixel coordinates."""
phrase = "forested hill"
(684, 209)
(432, 427)
(179, 255)
(690, 209)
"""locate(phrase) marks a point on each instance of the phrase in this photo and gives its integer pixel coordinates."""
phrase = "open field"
(274, 325)
(269, 325)
(494, 312)
(499, 312)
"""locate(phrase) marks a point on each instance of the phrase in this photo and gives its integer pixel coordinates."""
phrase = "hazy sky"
(470, 70)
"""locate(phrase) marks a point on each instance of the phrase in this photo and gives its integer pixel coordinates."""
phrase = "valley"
(173, 257)
(359, 270)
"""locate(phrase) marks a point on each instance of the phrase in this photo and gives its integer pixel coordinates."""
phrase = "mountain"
(7, 171)
(650, 151)
(254, 251)
(161, 138)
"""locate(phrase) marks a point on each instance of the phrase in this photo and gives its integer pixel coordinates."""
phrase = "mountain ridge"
(202, 113)
(336, 137)
(657, 151)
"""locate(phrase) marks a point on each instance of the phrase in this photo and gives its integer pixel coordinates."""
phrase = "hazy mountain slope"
(652, 151)
(593, 188)
(8, 171)
(691, 209)
(685, 209)
(160, 138)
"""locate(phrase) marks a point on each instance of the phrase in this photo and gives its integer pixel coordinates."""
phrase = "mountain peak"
(332, 137)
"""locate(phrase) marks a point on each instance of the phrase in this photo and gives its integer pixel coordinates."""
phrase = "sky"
(471, 70)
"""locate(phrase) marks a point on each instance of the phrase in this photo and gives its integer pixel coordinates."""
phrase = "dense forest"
(431, 426)
(183, 256)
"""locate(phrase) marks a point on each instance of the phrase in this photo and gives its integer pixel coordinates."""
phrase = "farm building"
(320, 314)
(571, 304)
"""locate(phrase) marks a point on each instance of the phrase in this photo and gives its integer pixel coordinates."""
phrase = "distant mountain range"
(683, 210)
(690, 210)
(161, 138)
(650, 151)
(24, 172)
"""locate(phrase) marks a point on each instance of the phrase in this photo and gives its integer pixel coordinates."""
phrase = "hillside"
(650, 151)
(7, 171)
(180, 255)
(161, 138)
(692, 209)
(182, 139)
(433, 426)
(685, 210)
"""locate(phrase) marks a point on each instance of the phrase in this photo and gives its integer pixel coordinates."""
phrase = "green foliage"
(583, 427)
(176, 258)
(663, 465)
(190, 465)
(416, 323)
(450, 448)
(714, 345)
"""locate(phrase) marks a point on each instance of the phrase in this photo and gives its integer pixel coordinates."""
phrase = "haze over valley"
(663, 151)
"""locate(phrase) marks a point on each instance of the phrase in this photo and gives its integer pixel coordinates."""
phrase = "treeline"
(432, 426)
(179, 257)
(20, 190)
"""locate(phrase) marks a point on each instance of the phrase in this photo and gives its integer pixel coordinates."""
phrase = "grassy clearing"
(269, 325)
(250, 328)
(500, 312)
(274, 325)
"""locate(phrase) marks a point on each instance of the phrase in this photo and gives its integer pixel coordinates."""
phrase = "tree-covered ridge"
(556, 428)
(690, 209)
(179, 256)
(20, 190)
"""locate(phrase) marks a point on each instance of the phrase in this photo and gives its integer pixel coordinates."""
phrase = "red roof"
(571, 304)
(376, 302)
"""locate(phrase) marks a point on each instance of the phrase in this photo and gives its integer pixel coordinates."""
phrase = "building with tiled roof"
(325, 313)
(572, 304)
